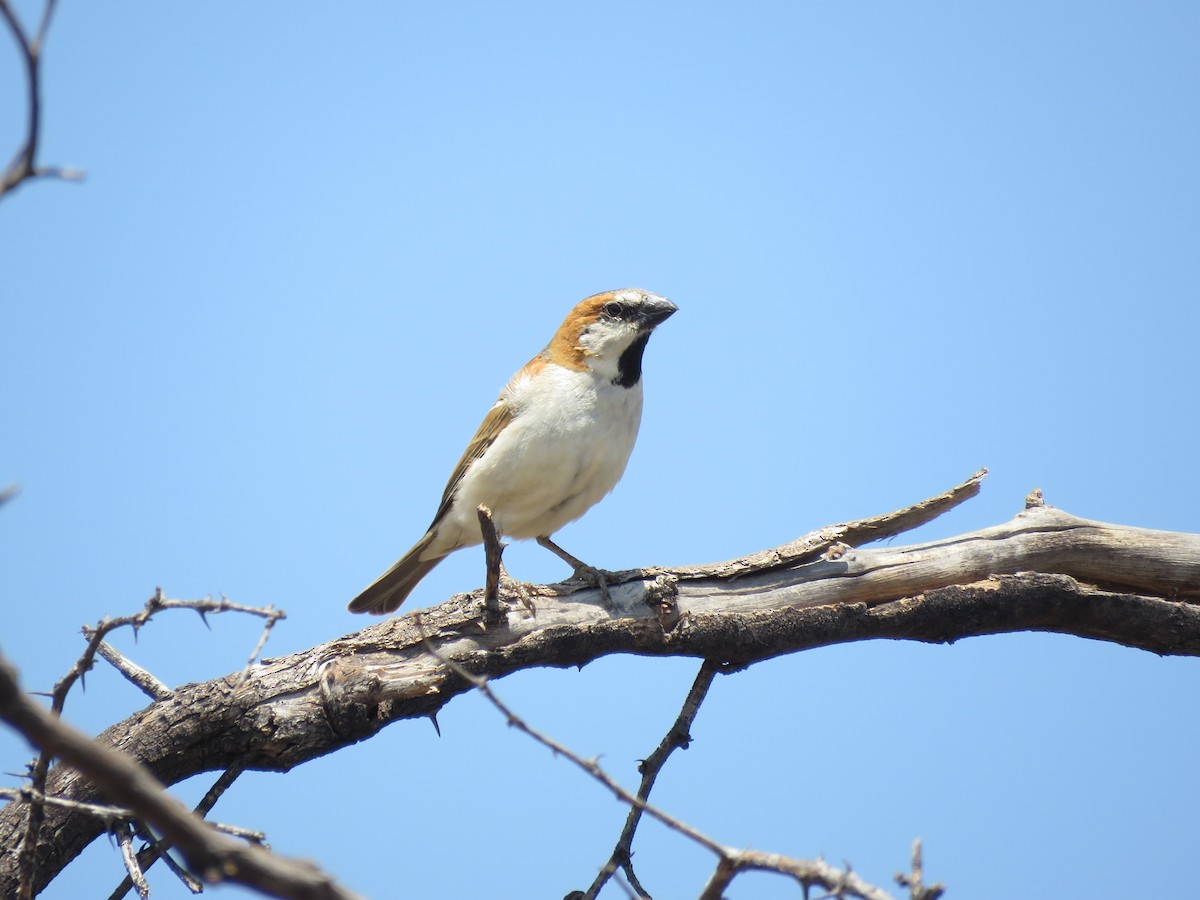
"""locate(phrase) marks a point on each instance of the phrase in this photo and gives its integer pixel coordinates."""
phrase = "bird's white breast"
(567, 445)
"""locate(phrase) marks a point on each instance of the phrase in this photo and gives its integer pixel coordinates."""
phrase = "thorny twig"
(95, 637)
(110, 815)
(113, 815)
(156, 850)
(215, 857)
(203, 607)
(845, 883)
(678, 737)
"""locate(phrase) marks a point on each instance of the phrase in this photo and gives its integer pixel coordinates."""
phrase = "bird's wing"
(494, 422)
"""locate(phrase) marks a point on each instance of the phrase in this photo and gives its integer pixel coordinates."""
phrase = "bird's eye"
(614, 309)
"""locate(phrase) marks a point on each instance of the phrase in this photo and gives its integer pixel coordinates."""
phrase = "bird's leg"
(597, 577)
(493, 551)
(498, 578)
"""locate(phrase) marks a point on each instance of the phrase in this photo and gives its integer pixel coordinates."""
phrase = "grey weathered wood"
(1044, 570)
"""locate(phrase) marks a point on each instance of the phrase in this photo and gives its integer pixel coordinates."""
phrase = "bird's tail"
(388, 591)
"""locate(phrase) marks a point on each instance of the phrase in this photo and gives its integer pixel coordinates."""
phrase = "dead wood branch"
(678, 737)
(24, 165)
(28, 879)
(215, 857)
(1044, 570)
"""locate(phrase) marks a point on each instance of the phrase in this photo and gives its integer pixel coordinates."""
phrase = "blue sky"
(906, 240)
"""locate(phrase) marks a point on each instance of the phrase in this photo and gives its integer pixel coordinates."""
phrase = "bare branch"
(862, 531)
(839, 882)
(678, 737)
(24, 166)
(146, 682)
(1044, 570)
(214, 857)
(272, 616)
(731, 860)
(136, 877)
(158, 849)
(95, 635)
(588, 765)
(915, 881)
(109, 815)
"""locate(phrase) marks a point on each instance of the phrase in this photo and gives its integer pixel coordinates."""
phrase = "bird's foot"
(597, 578)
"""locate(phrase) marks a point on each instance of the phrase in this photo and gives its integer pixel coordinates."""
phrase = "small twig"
(840, 883)
(117, 817)
(136, 876)
(273, 616)
(246, 834)
(8, 493)
(493, 551)
(159, 849)
(113, 815)
(155, 850)
(24, 165)
(678, 737)
(148, 684)
(806, 871)
(588, 765)
(915, 882)
(110, 815)
(812, 546)
(219, 787)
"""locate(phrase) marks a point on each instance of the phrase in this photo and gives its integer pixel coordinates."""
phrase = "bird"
(553, 445)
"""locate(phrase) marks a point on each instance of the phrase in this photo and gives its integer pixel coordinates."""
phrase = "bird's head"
(607, 333)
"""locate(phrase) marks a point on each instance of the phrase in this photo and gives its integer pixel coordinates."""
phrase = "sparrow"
(555, 442)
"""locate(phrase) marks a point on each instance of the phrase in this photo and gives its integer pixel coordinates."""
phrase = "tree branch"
(1044, 570)
(730, 860)
(915, 880)
(24, 166)
(678, 737)
(26, 860)
(156, 850)
(214, 857)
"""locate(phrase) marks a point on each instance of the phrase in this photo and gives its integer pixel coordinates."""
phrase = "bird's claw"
(597, 578)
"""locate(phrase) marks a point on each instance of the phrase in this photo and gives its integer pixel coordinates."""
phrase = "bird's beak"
(655, 311)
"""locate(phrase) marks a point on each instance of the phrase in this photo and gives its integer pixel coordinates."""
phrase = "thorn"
(204, 619)
(436, 726)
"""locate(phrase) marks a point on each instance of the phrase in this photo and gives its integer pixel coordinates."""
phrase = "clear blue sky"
(906, 240)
